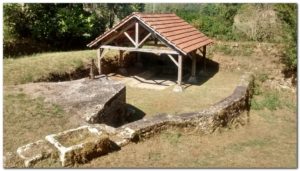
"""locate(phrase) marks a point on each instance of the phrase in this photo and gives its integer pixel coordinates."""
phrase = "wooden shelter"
(179, 38)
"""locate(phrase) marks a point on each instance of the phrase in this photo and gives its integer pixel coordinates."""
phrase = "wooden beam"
(99, 51)
(103, 53)
(146, 37)
(179, 79)
(194, 62)
(120, 32)
(201, 51)
(159, 37)
(132, 49)
(100, 55)
(171, 57)
(204, 56)
(190, 56)
(136, 35)
(127, 35)
(121, 52)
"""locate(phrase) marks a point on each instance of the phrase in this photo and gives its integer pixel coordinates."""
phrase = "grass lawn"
(27, 120)
(194, 98)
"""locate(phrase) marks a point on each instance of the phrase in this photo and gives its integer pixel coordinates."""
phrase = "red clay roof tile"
(183, 36)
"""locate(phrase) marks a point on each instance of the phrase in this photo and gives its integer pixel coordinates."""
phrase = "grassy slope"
(27, 120)
(34, 67)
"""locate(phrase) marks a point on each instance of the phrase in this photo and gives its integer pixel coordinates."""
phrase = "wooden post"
(137, 38)
(179, 70)
(178, 87)
(192, 78)
(194, 62)
(136, 35)
(121, 58)
(204, 56)
(99, 51)
(92, 76)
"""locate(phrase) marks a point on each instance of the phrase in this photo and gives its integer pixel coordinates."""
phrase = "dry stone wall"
(225, 113)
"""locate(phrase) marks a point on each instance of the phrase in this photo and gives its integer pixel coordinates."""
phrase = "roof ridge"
(189, 43)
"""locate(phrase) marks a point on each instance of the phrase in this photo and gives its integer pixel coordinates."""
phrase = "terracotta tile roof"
(177, 32)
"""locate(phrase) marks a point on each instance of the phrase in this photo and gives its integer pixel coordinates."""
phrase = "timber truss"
(137, 42)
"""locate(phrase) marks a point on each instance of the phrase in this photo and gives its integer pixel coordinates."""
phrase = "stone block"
(80, 145)
(110, 106)
(192, 80)
(34, 152)
(178, 89)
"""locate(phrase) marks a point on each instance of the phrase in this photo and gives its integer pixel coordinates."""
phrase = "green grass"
(269, 100)
(32, 68)
(172, 137)
(245, 49)
(194, 98)
(40, 66)
(265, 98)
(27, 120)
(259, 144)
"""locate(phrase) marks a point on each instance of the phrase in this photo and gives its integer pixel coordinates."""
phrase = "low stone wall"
(225, 113)
(228, 112)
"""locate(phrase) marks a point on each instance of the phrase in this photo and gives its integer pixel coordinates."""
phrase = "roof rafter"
(171, 30)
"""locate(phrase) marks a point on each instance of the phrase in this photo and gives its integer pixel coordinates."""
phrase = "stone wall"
(231, 111)
(112, 111)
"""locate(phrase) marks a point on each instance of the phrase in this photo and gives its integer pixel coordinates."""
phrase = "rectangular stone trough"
(79, 145)
(34, 152)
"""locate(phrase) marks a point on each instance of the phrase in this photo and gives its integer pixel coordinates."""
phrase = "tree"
(122, 10)
(288, 14)
(15, 21)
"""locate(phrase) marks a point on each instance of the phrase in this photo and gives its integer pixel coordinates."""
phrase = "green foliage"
(215, 20)
(15, 21)
(61, 26)
(122, 10)
(288, 14)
